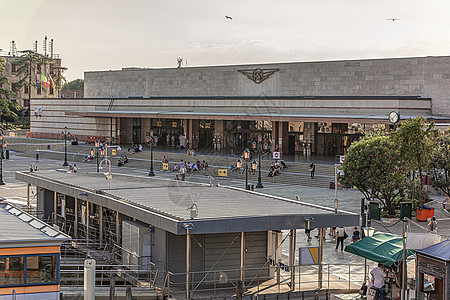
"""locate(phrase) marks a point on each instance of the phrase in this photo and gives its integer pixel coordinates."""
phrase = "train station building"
(316, 107)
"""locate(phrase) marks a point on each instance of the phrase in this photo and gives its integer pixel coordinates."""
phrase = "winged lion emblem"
(258, 75)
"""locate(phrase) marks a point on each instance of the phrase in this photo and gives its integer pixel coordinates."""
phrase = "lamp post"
(368, 232)
(151, 141)
(104, 152)
(259, 148)
(3, 146)
(96, 152)
(65, 133)
(246, 158)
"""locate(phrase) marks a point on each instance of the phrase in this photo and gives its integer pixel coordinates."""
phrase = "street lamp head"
(266, 146)
(254, 165)
(246, 154)
(254, 145)
(97, 143)
(147, 139)
(102, 151)
(259, 138)
(4, 144)
(238, 164)
(368, 231)
(92, 152)
(65, 128)
(151, 132)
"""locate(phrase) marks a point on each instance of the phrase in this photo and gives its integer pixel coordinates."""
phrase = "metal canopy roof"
(244, 115)
(164, 203)
(19, 229)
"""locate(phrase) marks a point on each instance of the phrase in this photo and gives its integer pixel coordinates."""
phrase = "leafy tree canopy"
(415, 141)
(77, 84)
(374, 166)
(440, 163)
(9, 110)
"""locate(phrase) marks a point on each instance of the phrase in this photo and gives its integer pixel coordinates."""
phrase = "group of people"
(72, 168)
(339, 234)
(276, 167)
(185, 167)
(135, 149)
(122, 161)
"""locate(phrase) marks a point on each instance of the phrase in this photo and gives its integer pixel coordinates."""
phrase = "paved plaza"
(348, 200)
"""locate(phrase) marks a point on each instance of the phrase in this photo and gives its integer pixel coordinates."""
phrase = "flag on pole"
(49, 77)
(44, 80)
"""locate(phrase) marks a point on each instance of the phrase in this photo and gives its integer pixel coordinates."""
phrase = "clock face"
(393, 117)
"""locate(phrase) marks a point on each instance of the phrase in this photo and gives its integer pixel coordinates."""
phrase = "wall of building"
(420, 76)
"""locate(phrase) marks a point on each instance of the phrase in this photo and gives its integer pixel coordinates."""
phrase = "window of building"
(13, 68)
(41, 269)
(25, 89)
(51, 90)
(39, 89)
(38, 68)
(11, 271)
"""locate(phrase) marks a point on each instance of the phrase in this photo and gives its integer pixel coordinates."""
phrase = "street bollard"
(89, 279)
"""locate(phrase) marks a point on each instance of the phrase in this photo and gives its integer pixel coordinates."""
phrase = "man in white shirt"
(378, 277)
(183, 172)
(340, 237)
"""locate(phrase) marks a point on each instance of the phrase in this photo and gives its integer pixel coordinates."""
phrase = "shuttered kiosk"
(202, 234)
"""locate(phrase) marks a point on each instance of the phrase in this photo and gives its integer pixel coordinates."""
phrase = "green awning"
(384, 248)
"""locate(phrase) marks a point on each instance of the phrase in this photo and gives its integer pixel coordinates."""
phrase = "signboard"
(308, 256)
(158, 123)
(165, 166)
(276, 155)
(174, 124)
(222, 172)
(340, 159)
(113, 152)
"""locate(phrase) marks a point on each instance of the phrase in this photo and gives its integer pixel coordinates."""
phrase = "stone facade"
(427, 77)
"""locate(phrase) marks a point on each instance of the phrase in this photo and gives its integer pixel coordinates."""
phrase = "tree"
(375, 167)
(29, 69)
(9, 110)
(77, 84)
(440, 163)
(5, 94)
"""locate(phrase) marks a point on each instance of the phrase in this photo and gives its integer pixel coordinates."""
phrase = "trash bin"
(405, 210)
(374, 209)
(7, 153)
(332, 185)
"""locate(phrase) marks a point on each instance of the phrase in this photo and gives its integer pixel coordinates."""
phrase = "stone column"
(219, 132)
(283, 137)
(275, 132)
(194, 130)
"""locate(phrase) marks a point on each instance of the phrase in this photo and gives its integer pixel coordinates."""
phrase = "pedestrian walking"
(341, 235)
(432, 225)
(308, 235)
(183, 172)
(37, 155)
(355, 235)
(312, 169)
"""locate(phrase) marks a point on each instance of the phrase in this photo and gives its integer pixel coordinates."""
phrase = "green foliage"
(374, 166)
(440, 163)
(4, 92)
(28, 64)
(77, 84)
(9, 110)
(415, 141)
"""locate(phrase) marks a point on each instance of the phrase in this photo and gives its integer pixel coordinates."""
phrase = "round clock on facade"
(394, 117)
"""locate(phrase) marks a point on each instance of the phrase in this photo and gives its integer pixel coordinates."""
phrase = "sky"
(92, 35)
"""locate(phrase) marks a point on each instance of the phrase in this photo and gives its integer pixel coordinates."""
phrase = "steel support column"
(100, 234)
(292, 242)
(118, 227)
(321, 235)
(242, 256)
(87, 221)
(55, 206)
(188, 262)
(75, 221)
(28, 197)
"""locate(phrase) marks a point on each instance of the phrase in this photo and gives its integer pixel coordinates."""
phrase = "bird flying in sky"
(228, 17)
(393, 19)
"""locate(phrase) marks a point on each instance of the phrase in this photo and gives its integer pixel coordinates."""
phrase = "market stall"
(433, 271)
(386, 249)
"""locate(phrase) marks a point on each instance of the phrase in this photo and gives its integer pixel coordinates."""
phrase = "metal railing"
(273, 279)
